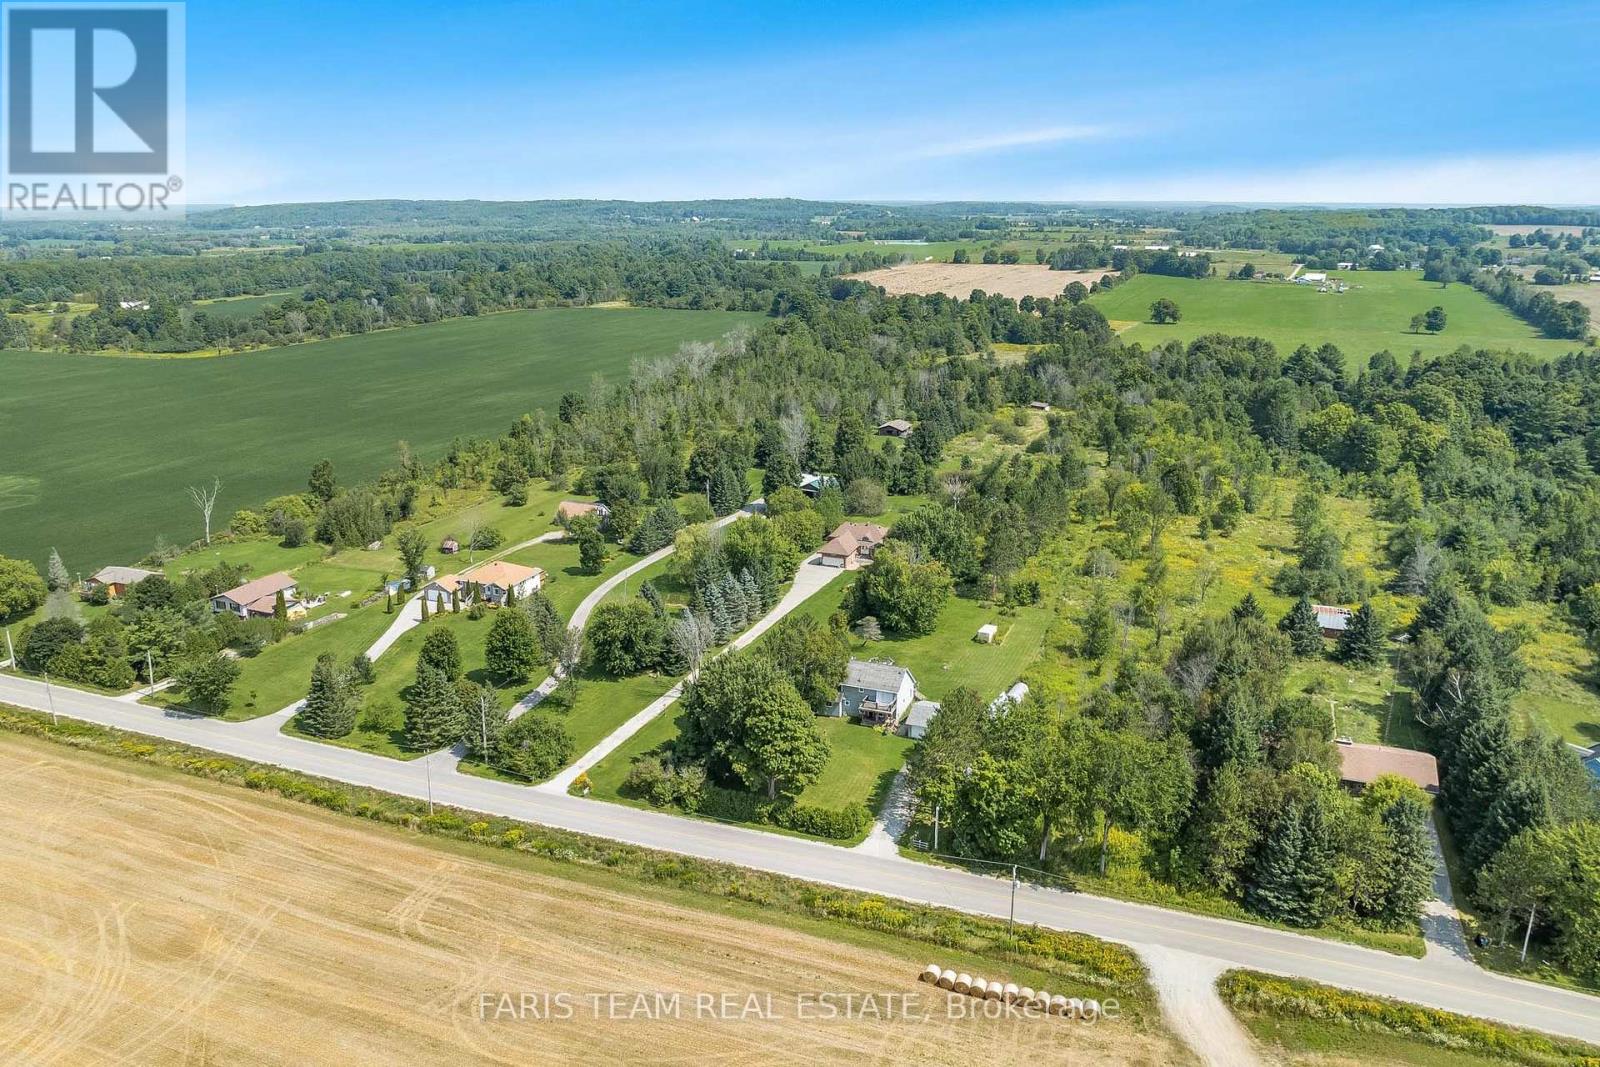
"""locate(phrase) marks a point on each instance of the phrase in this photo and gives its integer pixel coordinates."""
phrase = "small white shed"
(986, 633)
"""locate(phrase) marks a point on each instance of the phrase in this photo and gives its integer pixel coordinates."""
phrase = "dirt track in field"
(151, 918)
(1015, 280)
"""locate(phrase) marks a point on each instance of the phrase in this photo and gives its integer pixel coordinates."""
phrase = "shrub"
(1250, 992)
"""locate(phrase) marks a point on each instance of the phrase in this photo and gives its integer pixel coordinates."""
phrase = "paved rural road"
(1447, 984)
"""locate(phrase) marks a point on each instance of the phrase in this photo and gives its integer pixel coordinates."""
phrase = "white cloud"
(1532, 178)
(999, 142)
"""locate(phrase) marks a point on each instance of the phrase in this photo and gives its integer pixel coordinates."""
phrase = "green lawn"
(1375, 314)
(281, 674)
(565, 584)
(98, 450)
(950, 657)
(861, 765)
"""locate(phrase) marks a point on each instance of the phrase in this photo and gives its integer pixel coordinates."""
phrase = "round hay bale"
(947, 979)
(980, 988)
(1026, 994)
(1041, 1000)
(1074, 1008)
(1090, 1010)
(930, 973)
(996, 991)
(963, 983)
(1058, 1005)
(1012, 992)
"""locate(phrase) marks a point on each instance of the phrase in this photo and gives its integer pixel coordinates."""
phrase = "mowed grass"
(1373, 316)
(951, 656)
(862, 763)
(97, 451)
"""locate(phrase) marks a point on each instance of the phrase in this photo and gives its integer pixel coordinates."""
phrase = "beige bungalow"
(116, 580)
(259, 598)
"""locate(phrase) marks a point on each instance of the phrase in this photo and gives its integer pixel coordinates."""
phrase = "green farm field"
(96, 451)
(1374, 315)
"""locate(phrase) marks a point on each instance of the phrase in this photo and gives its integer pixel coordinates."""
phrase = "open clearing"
(97, 450)
(1015, 280)
(149, 917)
(1374, 315)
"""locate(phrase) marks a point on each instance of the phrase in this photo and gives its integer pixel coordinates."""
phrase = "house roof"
(571, 509)
(1362, 764)
(875, 674)
(922, 712)
(265, 586)
(897, 425)
(449, 582)
(121, 575)
(1332, 618)
(842, 545)
(503, 574)
(866, 532)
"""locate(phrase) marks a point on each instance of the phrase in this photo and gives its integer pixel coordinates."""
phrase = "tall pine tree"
(1362, 642)
(434, 715)
(332, 701)
(1302, 629)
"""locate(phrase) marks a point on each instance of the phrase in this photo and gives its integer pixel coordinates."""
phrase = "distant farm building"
(1360, 765)
(568, 510)
(1332, 621)
(449, 546)
(812, 485)
(1315, 277)
(895, 428)
(117, 580)
(1038, 405)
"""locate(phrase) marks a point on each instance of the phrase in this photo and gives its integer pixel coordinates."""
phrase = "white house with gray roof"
(876, 690)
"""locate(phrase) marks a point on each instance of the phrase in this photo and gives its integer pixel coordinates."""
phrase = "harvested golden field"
(1015, 280)
(148, 917)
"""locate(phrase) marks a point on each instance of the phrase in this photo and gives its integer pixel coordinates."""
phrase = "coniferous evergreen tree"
(332, 701)
(727, 491)
(1408, 880)
(434, 715)
(1248, 608)
(1302, 629)
(1362, 642)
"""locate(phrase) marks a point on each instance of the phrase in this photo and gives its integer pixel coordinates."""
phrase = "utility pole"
(1527, 935)
(1012, 918)
(150, 669)
(11, 651)
(936, 827)
(51, 696)
(1334, 715)
(427, 768)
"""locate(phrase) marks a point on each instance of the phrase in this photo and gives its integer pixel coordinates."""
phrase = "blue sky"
(1349, 102)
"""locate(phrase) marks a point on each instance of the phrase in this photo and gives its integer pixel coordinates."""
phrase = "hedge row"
(1247, 991)
(688, 789)
(1106, 969)
(837, 823)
